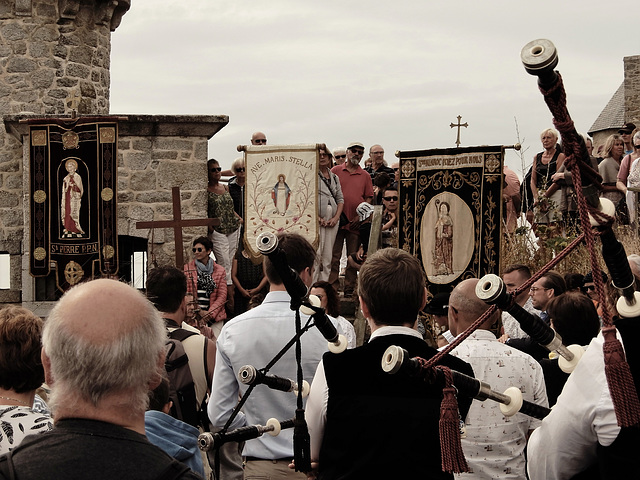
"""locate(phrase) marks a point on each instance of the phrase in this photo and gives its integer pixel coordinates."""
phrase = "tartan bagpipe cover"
(450, 216)
(73, 178)
(281, 192)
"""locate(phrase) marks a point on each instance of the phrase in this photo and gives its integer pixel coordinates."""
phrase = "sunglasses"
(198, 250)
(341, 156)
(215, 169)
(239, 169)
(357, 152)
(260, 140)
(390, 199)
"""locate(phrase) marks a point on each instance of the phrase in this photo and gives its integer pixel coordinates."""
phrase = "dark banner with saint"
(451, 212)
(73, 178)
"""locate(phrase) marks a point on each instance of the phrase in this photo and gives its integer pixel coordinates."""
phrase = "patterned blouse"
(221, 206)
(18, 422)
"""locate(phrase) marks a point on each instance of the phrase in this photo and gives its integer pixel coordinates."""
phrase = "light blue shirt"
(255, 338)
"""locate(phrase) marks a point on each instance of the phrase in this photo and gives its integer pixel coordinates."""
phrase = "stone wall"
(632, 89)
(157, 153)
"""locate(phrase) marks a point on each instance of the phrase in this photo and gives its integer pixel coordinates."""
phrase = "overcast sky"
(395, 73)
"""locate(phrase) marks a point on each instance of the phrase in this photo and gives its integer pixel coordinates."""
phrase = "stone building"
(623, 107)
(55, 55)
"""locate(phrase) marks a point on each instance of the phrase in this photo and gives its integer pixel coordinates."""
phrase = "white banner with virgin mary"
(281, 193)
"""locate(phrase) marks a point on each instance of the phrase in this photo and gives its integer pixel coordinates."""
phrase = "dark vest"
(619, 460)
(379, 425)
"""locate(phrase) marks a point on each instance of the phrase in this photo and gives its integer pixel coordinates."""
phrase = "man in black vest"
(363, 422)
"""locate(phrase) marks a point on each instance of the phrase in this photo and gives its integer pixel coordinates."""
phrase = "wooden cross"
(177, 224)
(465, 125)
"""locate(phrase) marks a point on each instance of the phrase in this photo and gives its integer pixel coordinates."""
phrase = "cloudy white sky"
(394, 72)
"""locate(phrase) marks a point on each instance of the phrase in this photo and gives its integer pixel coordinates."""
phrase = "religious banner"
(73, 178)
(451, 201)
(281, 193)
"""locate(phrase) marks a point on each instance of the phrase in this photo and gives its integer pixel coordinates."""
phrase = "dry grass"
(523, 247)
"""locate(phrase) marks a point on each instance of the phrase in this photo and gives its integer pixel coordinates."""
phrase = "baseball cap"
(358, 144)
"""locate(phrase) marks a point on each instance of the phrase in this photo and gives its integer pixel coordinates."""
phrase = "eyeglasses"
(215, 169)
(260, 140)
(637, 146)
(390, 199)
(357, 151)
(454, 309)
(535, 289)
(241, 169)
(341, 156)
(198, 249)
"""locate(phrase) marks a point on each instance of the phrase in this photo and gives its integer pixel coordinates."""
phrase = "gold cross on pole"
(465, 125)
(73, 101)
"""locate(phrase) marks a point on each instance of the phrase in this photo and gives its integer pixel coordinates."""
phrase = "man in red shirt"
(357, 188)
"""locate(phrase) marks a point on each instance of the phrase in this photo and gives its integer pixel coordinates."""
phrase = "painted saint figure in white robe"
(72, 191)
(281, 195)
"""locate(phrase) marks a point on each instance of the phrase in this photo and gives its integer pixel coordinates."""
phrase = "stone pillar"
(632, 89)
(49, 50)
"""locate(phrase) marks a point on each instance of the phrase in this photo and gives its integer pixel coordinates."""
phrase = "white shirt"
(316, 412)
(254, 338)
(566, 442)
(494, 444)
(512, 326)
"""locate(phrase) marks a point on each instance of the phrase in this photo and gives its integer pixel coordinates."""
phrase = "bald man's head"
(258, 138)
(465, 307)
(103, 338)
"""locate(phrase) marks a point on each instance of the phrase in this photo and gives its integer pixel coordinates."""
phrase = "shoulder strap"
(181, 334)
(328, 184)
(555, 156)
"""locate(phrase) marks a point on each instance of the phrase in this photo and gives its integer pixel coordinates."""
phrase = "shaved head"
(258, 138)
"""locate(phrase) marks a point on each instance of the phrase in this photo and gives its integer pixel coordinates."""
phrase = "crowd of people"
(118, 384)
(547, 196)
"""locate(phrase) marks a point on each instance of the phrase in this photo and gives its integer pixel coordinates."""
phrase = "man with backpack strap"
(166, 289)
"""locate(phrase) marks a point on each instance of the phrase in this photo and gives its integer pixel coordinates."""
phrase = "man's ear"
(306, 276)
(46, 364)
(364, 308)
(424, 298)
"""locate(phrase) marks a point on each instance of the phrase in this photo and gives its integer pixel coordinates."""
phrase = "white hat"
(364, 211)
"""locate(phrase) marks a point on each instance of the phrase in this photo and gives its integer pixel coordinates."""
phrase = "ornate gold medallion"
(39, 254)
(70, 140)
(73, 273)
(106, 194)
(108, 251)
(39, 196)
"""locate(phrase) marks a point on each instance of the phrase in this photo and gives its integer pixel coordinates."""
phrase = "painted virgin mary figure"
(72, 192)
(281, 195)
(443, 249)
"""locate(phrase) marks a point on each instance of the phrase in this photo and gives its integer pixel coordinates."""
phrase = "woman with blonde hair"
(609, 169)
(547, 200)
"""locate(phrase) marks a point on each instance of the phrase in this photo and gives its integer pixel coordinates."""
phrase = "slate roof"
(612, 117)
